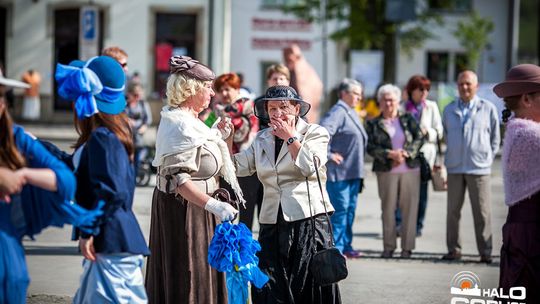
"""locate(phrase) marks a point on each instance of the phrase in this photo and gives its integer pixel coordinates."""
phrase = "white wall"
(246, 59)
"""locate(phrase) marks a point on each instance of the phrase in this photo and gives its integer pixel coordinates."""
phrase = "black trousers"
(287, 249)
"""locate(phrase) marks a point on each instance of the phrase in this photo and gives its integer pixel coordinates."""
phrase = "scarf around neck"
(415, 109)
(520, 161)
(180, 131)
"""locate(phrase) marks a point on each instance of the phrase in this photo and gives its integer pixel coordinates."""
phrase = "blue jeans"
(343, 196)
(422, 204)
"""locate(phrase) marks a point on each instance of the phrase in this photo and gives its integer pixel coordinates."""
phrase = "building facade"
(36, 34)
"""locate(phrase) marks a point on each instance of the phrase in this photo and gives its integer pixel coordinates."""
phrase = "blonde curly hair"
(180, 88)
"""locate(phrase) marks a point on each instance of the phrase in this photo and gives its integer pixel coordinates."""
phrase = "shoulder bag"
(327, 266)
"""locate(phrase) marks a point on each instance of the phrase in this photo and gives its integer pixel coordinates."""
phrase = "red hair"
(417, 82)
(230, 79)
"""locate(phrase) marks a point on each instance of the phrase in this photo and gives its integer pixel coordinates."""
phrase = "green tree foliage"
(473, 36)
(365, 27)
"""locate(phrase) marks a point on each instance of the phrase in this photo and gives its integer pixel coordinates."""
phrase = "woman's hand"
(336, 157)
(223, 210)
(11, 182)
(397, 157)
(87, 248)
(225, 126)
(283, 129)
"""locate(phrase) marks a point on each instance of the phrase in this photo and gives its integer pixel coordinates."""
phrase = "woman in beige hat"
(520, 253)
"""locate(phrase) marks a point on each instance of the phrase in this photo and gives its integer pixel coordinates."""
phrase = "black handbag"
(327, 266)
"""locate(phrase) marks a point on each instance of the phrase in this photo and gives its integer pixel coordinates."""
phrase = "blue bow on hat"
(84, 83)
(79, 84)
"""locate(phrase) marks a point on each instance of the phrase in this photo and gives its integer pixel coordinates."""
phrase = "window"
(175, 35)
(450, 6)
(529, 29)
(460, 64)
(445, 66)
(437, 66)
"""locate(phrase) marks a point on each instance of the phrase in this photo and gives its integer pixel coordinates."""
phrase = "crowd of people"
(266, 152)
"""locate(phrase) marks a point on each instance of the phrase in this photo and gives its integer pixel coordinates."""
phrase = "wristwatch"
(291, 140)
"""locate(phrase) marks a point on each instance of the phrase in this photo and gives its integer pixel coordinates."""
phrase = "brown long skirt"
(177, 269)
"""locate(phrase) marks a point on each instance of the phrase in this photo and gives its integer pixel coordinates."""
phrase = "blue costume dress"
(105, 173)
(28, 213)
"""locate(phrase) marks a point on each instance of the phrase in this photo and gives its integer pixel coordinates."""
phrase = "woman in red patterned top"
(229, 104)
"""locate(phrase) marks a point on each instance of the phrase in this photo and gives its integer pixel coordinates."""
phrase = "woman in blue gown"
(103, 163)
(46, 187)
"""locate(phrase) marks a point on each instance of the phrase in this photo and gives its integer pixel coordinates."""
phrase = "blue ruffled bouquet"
(233, 251)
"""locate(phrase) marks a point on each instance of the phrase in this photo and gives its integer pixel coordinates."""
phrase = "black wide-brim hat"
(280, 93)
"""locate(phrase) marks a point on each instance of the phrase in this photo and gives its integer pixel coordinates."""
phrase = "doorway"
(175, 35)
(66, 44)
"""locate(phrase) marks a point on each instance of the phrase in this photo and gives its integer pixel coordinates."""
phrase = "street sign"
(89, 32)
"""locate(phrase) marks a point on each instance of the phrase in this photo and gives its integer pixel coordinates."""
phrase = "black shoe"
(387, 254)
(452, 256)
(484, 258)
(406, 254)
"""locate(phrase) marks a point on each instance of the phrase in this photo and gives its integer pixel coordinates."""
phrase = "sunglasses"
(123, 64)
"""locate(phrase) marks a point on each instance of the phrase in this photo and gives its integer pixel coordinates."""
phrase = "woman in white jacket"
(282, 156)
(427, 114)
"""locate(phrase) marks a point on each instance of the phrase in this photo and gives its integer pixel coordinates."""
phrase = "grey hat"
(12, 82)
(190, 67)
(277, 93)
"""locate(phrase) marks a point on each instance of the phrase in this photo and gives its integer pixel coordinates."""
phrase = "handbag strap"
(439, 149)
(316, 163)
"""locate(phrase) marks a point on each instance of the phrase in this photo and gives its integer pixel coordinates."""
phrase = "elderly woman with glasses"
(394, 140)
(428, 117)
(282, 157)
(190, 158)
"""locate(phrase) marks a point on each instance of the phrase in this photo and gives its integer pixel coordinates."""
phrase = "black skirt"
(287, 249)
(520, 253)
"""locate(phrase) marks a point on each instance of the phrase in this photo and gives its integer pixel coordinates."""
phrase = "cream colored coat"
(284, 180)
(431, 122)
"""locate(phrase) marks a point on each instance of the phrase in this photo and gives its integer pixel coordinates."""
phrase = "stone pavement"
(55, 265)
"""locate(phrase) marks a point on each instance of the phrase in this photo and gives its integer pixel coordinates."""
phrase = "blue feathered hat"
(95, 85)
